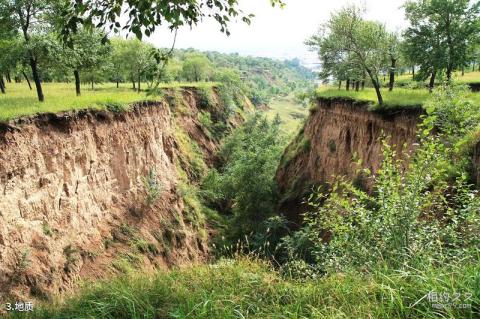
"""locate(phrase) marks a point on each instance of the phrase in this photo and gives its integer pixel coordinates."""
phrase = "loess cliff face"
(337, 134)
(73, 195)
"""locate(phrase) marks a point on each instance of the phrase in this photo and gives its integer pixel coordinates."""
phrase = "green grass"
(247, 288)
(468, 77)
(398, 98)
(20, 101)
(291, 113)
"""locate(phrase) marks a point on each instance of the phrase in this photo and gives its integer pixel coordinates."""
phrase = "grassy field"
(468, 77)
(291, 113)
(246, 288)
(399, 97)
(20, 101)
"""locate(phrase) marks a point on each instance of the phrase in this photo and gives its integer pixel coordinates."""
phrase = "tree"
(9, 59)
(394, 56)
(145, 15)
(134, 59)
(196, 67)
(349, 39)
(441, 32)
(27, 16)
(86, 53)
(143, 61)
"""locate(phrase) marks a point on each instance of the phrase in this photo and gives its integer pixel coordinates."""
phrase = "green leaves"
(441, 32)
(350, 47)
(145, 15)
(251, 155)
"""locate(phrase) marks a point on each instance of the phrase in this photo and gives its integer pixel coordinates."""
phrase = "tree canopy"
(354, 44)
(440, 33)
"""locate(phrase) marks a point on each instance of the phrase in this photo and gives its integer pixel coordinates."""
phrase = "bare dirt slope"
(337, 133)
(73, 200)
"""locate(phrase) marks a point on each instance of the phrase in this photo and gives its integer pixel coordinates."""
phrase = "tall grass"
(250, 288)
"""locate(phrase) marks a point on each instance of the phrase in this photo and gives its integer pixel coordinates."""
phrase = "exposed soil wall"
(73, 195)
(337, 133)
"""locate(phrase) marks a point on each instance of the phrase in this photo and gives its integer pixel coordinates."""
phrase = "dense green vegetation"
(442, 38)
(56, 41)
(251, 288)
(244, 186)
(389, 252)
(131, 63)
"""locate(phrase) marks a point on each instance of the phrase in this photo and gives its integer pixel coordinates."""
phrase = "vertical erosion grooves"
(73, 197)
(338, 133)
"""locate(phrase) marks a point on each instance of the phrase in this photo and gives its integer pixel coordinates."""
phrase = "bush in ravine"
(414, 216)
(245, 184)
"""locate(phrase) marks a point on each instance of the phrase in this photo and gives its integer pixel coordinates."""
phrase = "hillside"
(90, 193)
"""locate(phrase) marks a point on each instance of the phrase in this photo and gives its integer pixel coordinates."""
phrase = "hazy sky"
(275, 32)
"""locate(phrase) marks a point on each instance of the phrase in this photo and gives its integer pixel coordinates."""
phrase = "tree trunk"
(413, 72)
(117, 84)
(463, 70)
(26, 78)
(36, 78)
(449, 73)
(357, 85)
(133, 83)
(138, 88)
(77, 82)
(363, 84)
(392, 74)
(339, 84)
(432, 80)
(473, 66)
(2, 85)
(348, 85)
(92, 85)
(9, 79)
(376, 85)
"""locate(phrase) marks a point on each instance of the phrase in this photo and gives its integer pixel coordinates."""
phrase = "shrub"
(251, 155)
(413, 216)
(205, 120)
(153, 187)
(205, 94)
(116, 107)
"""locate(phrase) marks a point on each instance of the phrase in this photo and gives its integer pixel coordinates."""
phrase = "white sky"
(275, 32)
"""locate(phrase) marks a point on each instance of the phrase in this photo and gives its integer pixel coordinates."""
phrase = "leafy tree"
(86, 53)
(145, 15)
(144, 61)
(9, 58)
(441, 32)
(196, 67)
(27, 16)
(394, 55)
(348, 38)
(246, 183)
(172, 71)
(134, 59)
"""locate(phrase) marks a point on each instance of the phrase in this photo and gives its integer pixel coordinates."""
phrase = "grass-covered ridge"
(398, 98)
(20, 101)
(248, 288)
